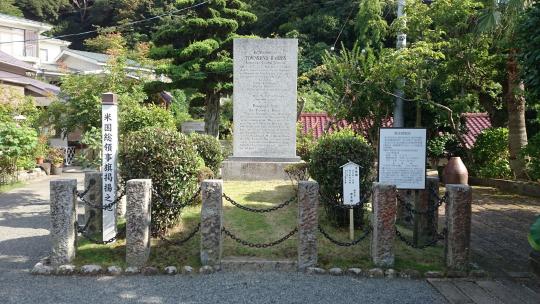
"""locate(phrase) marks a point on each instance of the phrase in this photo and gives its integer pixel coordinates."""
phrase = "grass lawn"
(261, 228)
(8, 187)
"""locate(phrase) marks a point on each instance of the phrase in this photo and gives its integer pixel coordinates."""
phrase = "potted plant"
(41, 149)
(56, 156)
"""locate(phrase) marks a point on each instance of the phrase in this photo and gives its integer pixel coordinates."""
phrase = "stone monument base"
(256, 169)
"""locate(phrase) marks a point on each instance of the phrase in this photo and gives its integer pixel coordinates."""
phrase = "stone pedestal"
(211, 222)
(94, 182)
(63, 218)
(254, 169)
(308, 202)
(138, 218)
(384, 224)
(425, 224)
(457, 248)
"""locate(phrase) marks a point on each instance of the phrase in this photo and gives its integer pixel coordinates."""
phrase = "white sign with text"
(351, 184)
(109, 156)
(402, 157)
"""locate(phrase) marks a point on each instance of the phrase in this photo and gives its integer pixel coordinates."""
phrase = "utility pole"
(399, 121)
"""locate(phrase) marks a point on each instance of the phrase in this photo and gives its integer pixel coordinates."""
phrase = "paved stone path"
(500, 224)
(24, 222)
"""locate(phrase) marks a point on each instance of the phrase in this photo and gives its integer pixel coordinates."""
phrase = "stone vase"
(455, 172)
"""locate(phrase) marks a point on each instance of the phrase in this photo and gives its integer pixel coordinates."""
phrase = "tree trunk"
(211, 117)
(515, 101)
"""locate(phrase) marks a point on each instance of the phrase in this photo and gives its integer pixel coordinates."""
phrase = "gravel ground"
(24, 239)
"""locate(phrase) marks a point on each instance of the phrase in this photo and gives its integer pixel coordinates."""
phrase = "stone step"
(256, 264)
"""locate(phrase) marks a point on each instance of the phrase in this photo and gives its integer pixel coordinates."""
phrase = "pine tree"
(200, 46)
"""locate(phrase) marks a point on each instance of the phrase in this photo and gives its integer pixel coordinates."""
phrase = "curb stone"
(91, 269)
(41, 269)
(376, 273)
(206, 270)
(391, 273)
(478, 274)
(456, 274)
(66, 269)
(335, 271)
(170, 270)
(354, 271)
(132, 270)
(433, 274)
(410, 274)
(114, 270)
(187, 270)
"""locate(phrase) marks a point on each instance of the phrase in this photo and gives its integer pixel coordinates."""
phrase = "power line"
(114, 27)
(344, 24)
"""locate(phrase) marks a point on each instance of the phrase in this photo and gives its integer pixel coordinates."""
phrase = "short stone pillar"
(384, 224)
(138, 218)
(308, 202)
(63, 220)
(211, 222)
(457, 249)
(425, 224)
(93, 216)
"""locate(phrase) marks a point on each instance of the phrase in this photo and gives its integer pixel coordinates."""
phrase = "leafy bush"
(209, 149)
(138, 117)
(16, 141)
(170, 160)
(333, 151)
(531, 153)
(90, 157)
(490, 154)
(297, 172)
(304, 143)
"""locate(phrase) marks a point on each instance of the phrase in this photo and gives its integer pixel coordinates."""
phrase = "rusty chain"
(256, 210)
(182, 241)
(344, 244)
(259, 245)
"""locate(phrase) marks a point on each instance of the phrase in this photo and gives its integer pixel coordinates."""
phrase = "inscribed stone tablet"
(265, 77)
(402, 157)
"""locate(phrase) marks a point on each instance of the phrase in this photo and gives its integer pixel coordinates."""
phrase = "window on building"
(12, 41)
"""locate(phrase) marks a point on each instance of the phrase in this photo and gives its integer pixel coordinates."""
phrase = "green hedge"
(490, 154)
(170, 160)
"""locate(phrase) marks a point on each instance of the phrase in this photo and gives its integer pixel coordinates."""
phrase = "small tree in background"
(200, 47)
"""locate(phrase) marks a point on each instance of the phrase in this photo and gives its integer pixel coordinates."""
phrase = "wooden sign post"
(351, 190)
(109, 121)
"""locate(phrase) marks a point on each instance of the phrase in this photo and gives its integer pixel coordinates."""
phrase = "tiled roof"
(476, 123)
(317, 123)
(35, 85)
(7, 59)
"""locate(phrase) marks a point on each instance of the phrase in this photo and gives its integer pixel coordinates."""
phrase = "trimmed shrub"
(297, 172)
(333, 151)
(304, 143)
(139, 117)
(209, 149)
(170, 160)
(490, 154)
(531, 153)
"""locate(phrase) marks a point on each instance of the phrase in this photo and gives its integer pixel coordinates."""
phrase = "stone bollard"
(93, 181)
(211, 222)
(63, 220)
(308, 201)
(138, 218)
(425, 224)
(384, 224)
(457, 247)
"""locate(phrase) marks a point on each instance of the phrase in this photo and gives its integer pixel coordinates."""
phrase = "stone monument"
(265, 89)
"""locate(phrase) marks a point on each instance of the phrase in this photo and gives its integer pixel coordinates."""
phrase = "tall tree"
(8, 7)
(370, 24)
(500, 19)
(200, 47)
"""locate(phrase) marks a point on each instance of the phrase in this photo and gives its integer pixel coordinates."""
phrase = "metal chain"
(108, 207)
(431, 209)
(182, 241)
(82, 231)
(344, 244)
(409, 243)
(172, 204)
(363, 200)
(259, 245)
(255, 210)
